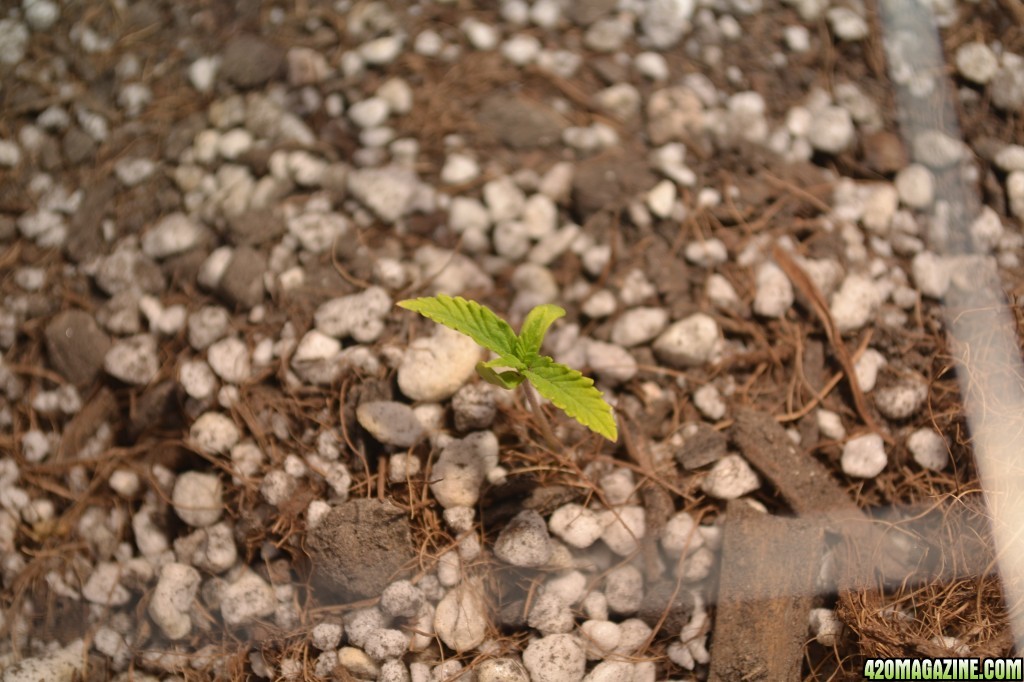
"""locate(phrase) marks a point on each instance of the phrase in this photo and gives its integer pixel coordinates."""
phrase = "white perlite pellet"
(555, 658)
(214, 433)
(774, 292)
(524, 541)
(197, 498)
(171, 602)
(624, 527)
(576, 525)
(731, 477)
(460, 619)
(929, 449)
(864, 456)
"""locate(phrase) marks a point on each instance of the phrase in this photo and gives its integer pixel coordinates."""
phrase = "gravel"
(207, 220)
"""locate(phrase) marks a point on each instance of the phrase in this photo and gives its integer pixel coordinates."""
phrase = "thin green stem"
(545, 425)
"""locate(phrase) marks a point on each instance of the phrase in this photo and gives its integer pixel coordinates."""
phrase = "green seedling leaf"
(509, 379)
(568, 389)
(468, 317)
(535, 327)
(574, 394)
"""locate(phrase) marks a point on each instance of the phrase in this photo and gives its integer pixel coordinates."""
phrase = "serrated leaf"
(468, 317)
(509, 379)
(535, 326)
(509, 361)
(574, 394)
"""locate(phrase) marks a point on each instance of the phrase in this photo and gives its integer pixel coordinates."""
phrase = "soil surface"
(222, 443)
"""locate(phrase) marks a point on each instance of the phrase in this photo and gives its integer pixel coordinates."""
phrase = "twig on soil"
(802, 282)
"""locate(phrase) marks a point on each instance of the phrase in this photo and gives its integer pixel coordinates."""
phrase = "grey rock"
(391, 423)
(474, 407)
(524, 541)
(246, 599)
(519, 122)
(242, 282)
(76, 346)
(253, 228)
(704, 446)
(501, 670)
(902, 399)
(250, 61)
(1007, 87)
(129, 270)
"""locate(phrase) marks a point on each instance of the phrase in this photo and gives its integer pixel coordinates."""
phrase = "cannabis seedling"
(520, 355)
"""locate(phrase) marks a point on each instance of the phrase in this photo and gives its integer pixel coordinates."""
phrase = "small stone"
(651, 65)
(133, 360)
(903, 399)
(474, 407)
(524, 541)
(690, 342)
(459, 169)
(359, 547)
(1015, 193)
(315, 357)
(434, 368)
(387, 191)
(832, 130)
(549, 614)
(929, 449)
(576, 525)
(976, 62)
(638, 326)
(709, 403)
(385, 644)
(172, 235)
(501, 670)
(1007, 86)
(229, 358)
(360, 316)
(248, 598)
(306, 66)
(460, 619)
(326, 636)
(401, 599)
(241, 283)
(866, 369)
(250, 61)
(521, 49)
(774, 292)
(481, 36)
(103, 586)
(730, 478)
(855, 303)
(202, 73)
(611, 363)
(381, 51)
(624, 528)
(171, 600)
(555, 658)
(830, 425)
(624, 588)
(847, 24)
(936, 149)
(76, 346)
(826, 626)
(390, 423)
(197, 498)
(662, 199)
(916, 186)
(370, 112)
(864, 456)
(358, 664)
(214, 433)
(931, 274)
